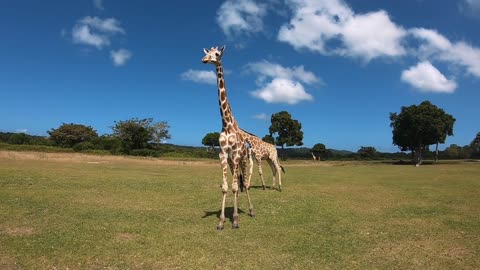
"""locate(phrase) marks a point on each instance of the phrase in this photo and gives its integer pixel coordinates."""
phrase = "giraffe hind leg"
(260, 171)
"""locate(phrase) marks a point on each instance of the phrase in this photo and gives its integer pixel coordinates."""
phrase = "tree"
(289, 131)
(475, 146)
(67, 135)
(138, 133)
(318, 150)
(367, 152)
(269, 139)
(19, 138)
(417, 127)
(211, 140)
(160, 132)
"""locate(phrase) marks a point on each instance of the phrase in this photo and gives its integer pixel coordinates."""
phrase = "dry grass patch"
(19, 231)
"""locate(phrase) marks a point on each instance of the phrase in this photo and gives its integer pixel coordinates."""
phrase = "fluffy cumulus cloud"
(426, 77)
(278, 84)
(120, 57)
(435, 46)
(241, 17)
(332, 27)
(96, 32)
(99, 33)
(200, 76)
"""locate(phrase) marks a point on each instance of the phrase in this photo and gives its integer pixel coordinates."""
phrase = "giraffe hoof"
(235, 226)
(219, 227)
(253, 214)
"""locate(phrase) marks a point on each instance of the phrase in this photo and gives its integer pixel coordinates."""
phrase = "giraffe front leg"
(250, 171)
(260, 171)
(224, 165)
(235, 224)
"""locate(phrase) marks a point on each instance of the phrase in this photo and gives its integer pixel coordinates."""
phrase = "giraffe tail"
(283, 170)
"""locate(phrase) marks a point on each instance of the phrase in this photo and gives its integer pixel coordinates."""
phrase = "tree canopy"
(318, 150)
(475, 146)
(211, 140)
(418, 126)
(67, 135)
(367, 152)
(289, 131)
(269, 139)
(137, 133)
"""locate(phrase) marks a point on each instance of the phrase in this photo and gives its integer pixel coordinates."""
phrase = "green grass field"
(67, 211)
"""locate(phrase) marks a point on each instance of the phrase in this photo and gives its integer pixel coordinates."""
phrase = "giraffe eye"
(217, 54)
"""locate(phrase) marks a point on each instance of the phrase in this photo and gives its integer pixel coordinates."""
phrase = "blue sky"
(339, 67)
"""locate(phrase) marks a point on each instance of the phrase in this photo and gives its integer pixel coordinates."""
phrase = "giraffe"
(233, 150)
(263, 150)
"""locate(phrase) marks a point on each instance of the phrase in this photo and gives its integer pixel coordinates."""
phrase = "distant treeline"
(107, 144)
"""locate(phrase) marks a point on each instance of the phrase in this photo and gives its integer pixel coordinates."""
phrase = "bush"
(144, 153)
(83, 146)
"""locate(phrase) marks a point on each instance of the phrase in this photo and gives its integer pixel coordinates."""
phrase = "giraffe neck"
(228, 122)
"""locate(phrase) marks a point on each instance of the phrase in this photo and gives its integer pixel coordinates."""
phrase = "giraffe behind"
(263, 150)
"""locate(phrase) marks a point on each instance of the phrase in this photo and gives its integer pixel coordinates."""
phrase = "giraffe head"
(213, 56)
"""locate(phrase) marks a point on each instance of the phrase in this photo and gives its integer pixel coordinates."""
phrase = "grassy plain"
(60, 211)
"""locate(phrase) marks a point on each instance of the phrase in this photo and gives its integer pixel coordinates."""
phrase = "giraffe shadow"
(228, 213)
(266, 188)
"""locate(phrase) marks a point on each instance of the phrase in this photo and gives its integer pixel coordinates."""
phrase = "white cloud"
(281, 90)
(120, 57)
(109, 25)
(241, 17)
(426, 77)
(267, 69)
(200, 76)
(438, 47)
(470, 8)
(261, 116)
(96, 32)
(280, 84)
(98, 4)
(331, 27)
(83, 35)
(22, 130)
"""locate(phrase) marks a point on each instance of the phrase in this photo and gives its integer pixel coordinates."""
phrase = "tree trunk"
(418, 154)
(436, 152)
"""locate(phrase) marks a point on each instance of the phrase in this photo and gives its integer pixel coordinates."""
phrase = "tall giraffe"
(233, 150)
(263, 150)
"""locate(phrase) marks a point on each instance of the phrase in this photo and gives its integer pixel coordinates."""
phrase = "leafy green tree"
(475, 146)
(418, 126)
(269, 139)
(19, 138)
(288, 131)
(133, 133)
(318, 150)
(211, 140)
(367, 152)
(138, 133)
(67, 135)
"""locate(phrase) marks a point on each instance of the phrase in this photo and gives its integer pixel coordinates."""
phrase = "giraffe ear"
(223, 48)
(205, 50)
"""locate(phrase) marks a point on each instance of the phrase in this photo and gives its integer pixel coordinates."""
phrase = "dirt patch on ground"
(19, 231)
(126, 237)
(97, 159)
